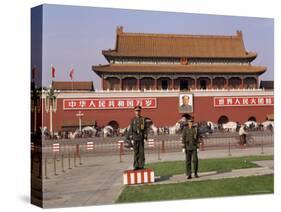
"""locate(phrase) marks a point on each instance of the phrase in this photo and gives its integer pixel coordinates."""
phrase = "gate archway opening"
(114, 124)
(223, 119)
(252, 118)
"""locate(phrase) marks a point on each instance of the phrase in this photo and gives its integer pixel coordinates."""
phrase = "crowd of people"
(204, 128)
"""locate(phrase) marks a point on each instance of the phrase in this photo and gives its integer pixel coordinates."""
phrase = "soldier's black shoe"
(189, 177)
(196, 176)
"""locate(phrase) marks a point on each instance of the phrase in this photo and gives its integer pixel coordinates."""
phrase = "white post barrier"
(151, 143)
(90, 146)
(141, 176)
(121, 149)
(56, 147)
(119, 143)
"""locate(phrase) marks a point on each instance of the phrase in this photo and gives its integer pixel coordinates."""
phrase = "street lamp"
(35, 104)
(80, 115)
(51, 104)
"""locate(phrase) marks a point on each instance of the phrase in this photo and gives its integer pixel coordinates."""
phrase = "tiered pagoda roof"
(177, 47)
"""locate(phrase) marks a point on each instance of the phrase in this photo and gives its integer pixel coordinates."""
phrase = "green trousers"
(139, 158)
(191, 155)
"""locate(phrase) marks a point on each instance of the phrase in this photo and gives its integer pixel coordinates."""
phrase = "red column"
(173, 83)
(138, 84)
(155, 84)
(242, 83)
(257, 82)
(195, 83)
(120, 84)
(211, 83)
(227, 83)
(103, 84)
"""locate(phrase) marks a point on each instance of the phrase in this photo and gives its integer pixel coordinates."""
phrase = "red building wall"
(204, 108)
(166, 113)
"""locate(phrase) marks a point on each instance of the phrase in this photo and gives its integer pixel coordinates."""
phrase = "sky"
(74, 36)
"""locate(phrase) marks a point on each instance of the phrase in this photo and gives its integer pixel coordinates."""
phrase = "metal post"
(55, 165)
(120, 152)
(262, 152)
(80, 160)
(74, 159)
(78, 154)
(163, 146)
(46, 163)
(229, 150)
(77, 150)
(62, 163)
(122, 148)
(202, 148)
(69, 164)
(40, 166)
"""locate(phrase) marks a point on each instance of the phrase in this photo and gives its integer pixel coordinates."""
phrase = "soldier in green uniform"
(190, 144)
(138, 133)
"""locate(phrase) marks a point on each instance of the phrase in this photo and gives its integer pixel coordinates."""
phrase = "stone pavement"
(265, 163)
(265, 169)
(221, 153)
(99, 179)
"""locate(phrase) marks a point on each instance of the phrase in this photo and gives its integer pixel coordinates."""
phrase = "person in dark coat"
(190, 144)
(138, 133)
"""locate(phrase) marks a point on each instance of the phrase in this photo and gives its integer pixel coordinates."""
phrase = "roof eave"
(110, 54)
(263, 70)
(97, 71)
(251, 56)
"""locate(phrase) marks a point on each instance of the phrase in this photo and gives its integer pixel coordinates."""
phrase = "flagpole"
(71, 77)
(52, 73)
(72, 84)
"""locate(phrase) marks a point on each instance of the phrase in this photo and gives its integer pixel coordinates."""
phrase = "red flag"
(53, 72)
(71, 74)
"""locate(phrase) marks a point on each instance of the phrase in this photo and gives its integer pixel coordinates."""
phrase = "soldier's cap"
(137, 108)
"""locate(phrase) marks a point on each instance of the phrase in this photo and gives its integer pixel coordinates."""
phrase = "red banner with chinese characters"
(244, 101)
(112, 103)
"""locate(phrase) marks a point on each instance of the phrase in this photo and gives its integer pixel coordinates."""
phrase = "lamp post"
(80, 115)
(35, 104)
(51, 104)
